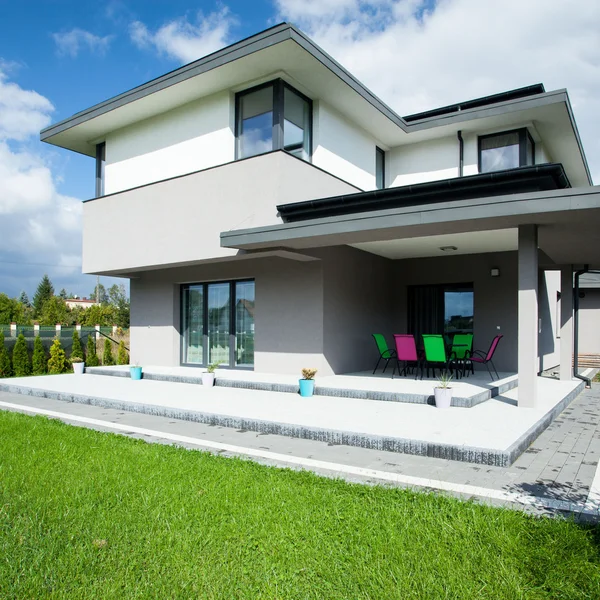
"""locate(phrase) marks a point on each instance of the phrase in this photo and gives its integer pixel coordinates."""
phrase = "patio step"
(320, 390)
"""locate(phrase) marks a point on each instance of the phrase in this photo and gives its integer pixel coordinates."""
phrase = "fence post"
(97, 332)
(78, 326)
(58, 328)
(36, 328)
(114, 330)
(13, 330)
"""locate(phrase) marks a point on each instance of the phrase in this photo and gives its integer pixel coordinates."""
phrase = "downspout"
(461, 152)
(588, 382)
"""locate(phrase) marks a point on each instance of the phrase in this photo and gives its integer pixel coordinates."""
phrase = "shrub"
(309, 373)
(91, 360)
(40, 361)
(58, 360)
(122, 356)
(21, 363)
(76, 350)
(5, 366)
(107, 356)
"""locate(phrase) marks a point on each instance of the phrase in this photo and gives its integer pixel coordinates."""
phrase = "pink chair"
(482, 358)
(406, 351)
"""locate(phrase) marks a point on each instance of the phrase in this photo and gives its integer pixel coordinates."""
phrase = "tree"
(91, 358)
(21, 362)
(63, 294)
(24, 300)
(107, 356)
(11, 310)
(44, 292)
(57, 363)
(122, 356)
(104, 315)
(101, 296)
(40, 361)
(76, 350)
(55, 311)
(5, 366)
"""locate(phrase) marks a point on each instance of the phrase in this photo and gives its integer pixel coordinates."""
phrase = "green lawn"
(91, 515)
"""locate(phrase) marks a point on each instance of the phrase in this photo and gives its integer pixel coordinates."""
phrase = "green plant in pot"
(443, 391)
(307, 383)
(208, 378)
(77, 364)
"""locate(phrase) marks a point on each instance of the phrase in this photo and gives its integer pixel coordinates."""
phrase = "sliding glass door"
(218, 324)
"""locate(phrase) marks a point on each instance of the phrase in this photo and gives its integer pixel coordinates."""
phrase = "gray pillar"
(528, 315)
(566, 322)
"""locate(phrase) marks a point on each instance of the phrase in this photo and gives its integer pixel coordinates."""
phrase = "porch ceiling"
(474, 242)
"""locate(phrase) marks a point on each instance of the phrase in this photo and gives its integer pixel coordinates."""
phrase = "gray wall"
(589, 322)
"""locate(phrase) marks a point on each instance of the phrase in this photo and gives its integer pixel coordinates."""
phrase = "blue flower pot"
(135, 372)
(307, 387)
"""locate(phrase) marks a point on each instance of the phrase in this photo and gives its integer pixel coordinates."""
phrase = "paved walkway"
(557, 473)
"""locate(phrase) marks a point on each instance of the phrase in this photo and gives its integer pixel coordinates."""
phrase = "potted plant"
(307, 383)
(78, 365)
(443, 391)
(135, 371)
(208, 378)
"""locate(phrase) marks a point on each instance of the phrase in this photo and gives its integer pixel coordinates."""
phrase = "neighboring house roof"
(325, 75)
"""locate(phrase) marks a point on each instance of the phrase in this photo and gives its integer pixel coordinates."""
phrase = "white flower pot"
(443, 397)
(78, 368)
(208, 379)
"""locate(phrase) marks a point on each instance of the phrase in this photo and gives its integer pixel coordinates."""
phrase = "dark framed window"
(218, 324)
(273, 116)
(100, 166)
(379, 168)
(506, 150)
(444, 309)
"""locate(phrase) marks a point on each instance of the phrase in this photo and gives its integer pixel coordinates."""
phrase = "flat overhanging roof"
(569, 223)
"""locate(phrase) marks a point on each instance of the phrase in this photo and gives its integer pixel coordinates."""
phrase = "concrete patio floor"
(467, 391)
(495, 432)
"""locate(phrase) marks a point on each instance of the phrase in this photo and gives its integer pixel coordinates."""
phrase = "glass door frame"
(232, 322)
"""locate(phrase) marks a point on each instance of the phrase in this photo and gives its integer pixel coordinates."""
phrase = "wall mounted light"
(495, 272)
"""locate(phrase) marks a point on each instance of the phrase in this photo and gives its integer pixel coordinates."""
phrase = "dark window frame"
(279, 85)
(100, 168)
(232, 323)
(380, 152)
(524, 135)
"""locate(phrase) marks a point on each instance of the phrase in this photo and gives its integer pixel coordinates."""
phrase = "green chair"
(462, 348)
(384, 351)
(435, 354)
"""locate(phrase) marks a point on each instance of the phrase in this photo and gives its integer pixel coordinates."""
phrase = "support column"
(528, 315)
(566, 322)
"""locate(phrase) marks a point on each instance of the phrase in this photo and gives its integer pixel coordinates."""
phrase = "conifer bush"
(57, 363)
(122, 356)
(107, 356)
(20, 361)
(91, 359)
(40, 361)
(5, 366)
(76, 350)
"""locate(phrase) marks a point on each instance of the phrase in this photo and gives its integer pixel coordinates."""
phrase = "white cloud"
(71, 42)
(183, 40)
(417, 55)
(38, 224)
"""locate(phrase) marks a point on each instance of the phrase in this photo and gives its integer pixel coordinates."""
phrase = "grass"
(93, 515)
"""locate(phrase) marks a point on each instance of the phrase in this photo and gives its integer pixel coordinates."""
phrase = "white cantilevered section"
(528, 315)
(566, 322)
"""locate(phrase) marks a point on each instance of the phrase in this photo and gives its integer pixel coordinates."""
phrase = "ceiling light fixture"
(448, 248)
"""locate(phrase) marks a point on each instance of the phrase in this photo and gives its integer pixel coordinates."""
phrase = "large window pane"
(500, 152)
(458, 311)
(255, 122)
(296, 124)
(193, 306)
(218, 323)
(244, 323)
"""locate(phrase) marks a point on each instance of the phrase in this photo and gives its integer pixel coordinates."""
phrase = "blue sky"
(58, 57)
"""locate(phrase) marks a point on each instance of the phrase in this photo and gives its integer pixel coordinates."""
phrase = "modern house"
(275, 213)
